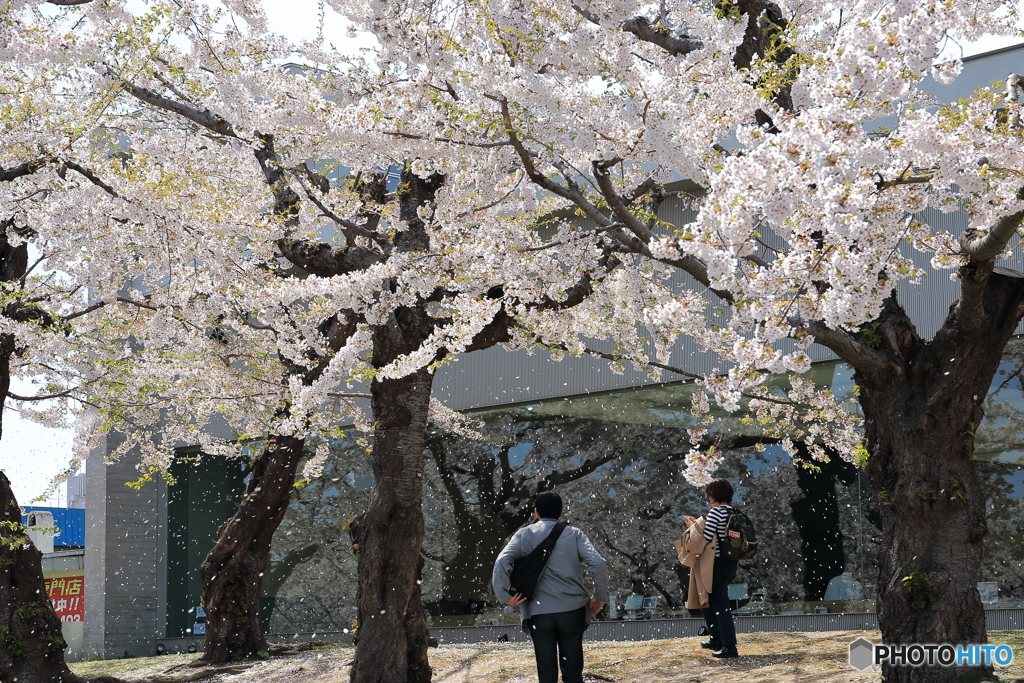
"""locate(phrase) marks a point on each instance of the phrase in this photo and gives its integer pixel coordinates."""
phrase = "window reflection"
(616, 458)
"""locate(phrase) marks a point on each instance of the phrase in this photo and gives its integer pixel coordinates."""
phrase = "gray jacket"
(560, 587)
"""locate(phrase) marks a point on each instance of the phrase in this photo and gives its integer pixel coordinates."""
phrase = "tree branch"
(24, 169)
(92, 178)
(618, 207)
(558, 478)
(860, 356)
(986, 246)
(349, 229)
(47, 397)
(205, 118)
(643, 29)
(84, 311)
(439, 453)
(325, 260)
(140, 304)
(649, 33)
(902, 180)
(526, 157)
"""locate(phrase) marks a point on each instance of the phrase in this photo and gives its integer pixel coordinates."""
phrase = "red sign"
(67, 593)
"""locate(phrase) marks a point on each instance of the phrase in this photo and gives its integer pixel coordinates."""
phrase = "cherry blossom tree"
(537, 148)
(265, 286)
(45, 187)
(804, 217)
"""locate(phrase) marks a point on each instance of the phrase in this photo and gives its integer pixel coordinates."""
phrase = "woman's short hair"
(720, 490)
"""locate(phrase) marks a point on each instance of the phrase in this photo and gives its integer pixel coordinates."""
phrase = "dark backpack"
(526, 570)
(740, 537)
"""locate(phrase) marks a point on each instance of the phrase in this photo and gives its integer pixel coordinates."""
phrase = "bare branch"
(326, 260)
(349, 229)
(526, 157)
(643, 29)
(491, 205)
(903, 180)
(587, 14)
(173, 88)
(640, 190)
(615, 201)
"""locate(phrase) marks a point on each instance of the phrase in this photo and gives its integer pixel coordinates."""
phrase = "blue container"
(70, 521)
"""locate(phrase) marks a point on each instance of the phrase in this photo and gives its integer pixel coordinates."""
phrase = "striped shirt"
(714, 525)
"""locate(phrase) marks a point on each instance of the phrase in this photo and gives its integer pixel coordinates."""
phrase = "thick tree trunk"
(31, 644)
(933, 523)
(232, 572)
(392, 635)
(921, 413)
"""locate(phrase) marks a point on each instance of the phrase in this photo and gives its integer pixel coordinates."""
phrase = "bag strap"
(541, 549)
(552, 538)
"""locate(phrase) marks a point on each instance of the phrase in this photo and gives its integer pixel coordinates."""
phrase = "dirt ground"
(764, 658)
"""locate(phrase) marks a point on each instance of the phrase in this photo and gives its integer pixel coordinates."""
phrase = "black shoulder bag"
(526, 570)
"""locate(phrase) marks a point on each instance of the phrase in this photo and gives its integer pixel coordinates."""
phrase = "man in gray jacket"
(559, 611)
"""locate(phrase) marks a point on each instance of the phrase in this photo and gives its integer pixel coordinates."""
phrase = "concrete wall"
(125, 547)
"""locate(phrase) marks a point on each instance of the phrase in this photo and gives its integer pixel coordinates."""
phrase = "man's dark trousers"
(718, 614)
(558, 640)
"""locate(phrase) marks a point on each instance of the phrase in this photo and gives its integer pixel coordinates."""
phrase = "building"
(60, 535)
(144, 546)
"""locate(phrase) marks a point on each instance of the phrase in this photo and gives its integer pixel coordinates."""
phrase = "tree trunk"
(232, 573)
(467, 575)
(392, 634)
(31, 644)
(933, 522)
(817, 518)
(921, 412)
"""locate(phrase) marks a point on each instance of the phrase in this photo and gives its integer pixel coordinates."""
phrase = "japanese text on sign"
(67, 593)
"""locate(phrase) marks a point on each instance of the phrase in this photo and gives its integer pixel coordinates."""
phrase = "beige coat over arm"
(699, 555)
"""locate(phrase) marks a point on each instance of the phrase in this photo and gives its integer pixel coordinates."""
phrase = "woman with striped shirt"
(718, 614)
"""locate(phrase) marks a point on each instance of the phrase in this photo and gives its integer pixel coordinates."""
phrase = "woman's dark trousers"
(718, 615)
(558, 640)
